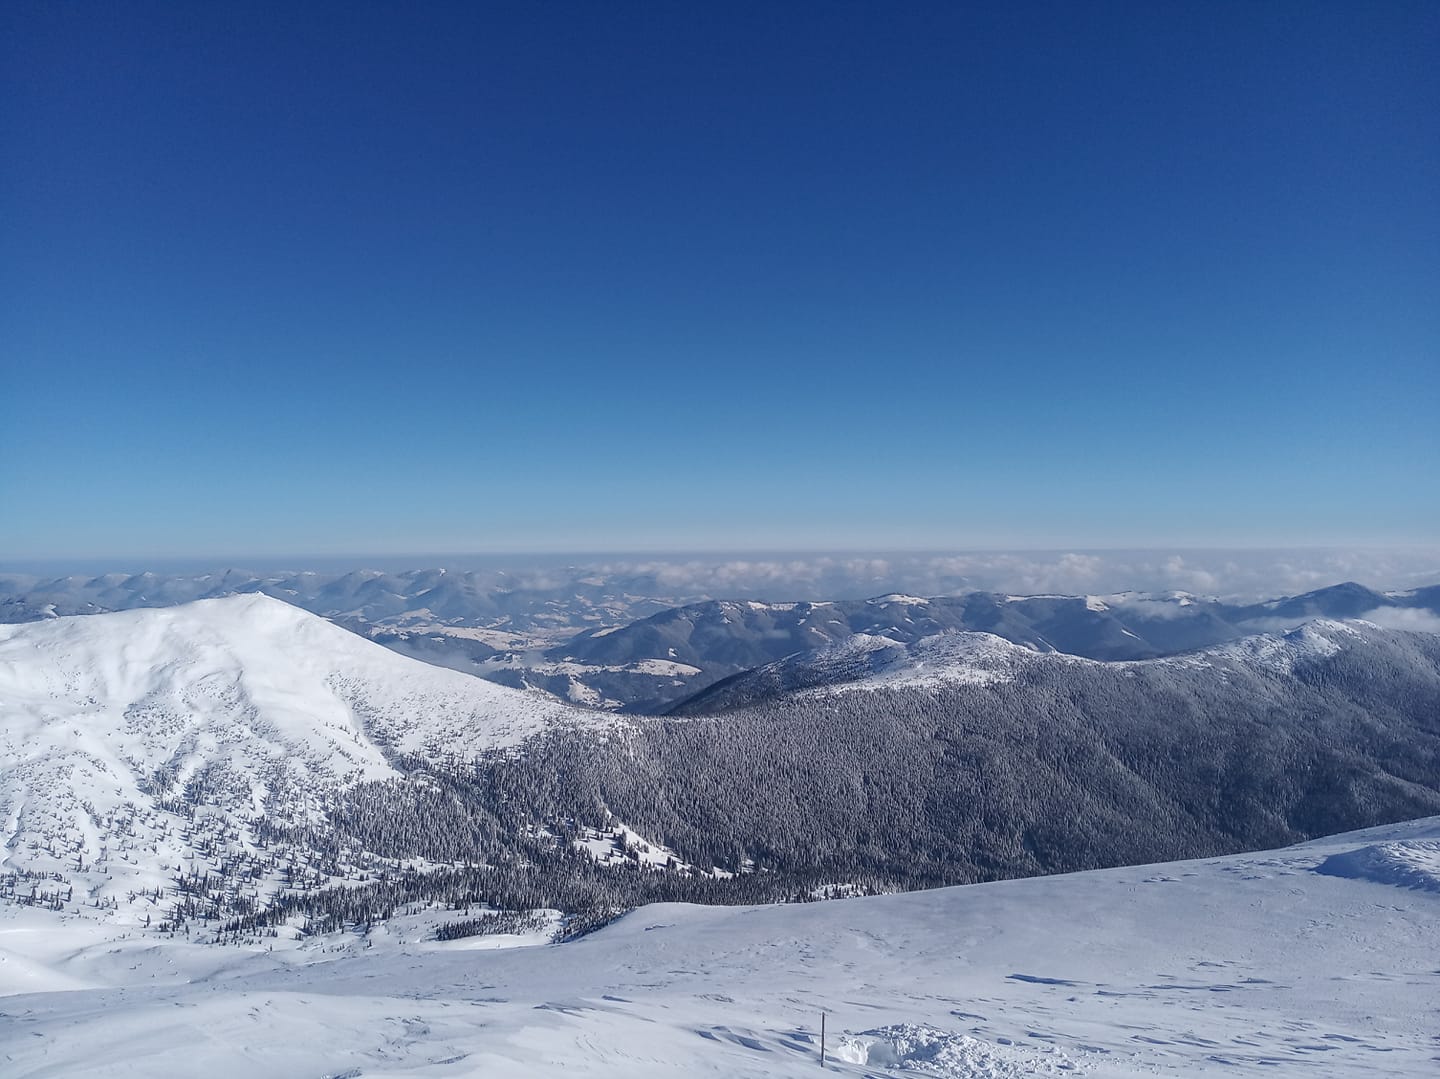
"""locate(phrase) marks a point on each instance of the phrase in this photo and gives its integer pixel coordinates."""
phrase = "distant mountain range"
(720, 639)
(619, 642)
(423, 597)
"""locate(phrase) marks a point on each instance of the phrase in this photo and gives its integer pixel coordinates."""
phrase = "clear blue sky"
(378, 278)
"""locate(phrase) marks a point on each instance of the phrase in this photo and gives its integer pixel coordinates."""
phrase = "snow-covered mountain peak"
(940, 659)
(117, 731)
(952, 656)
(284, 659)
(1316, 639)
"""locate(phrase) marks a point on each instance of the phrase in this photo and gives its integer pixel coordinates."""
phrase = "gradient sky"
(378, 278)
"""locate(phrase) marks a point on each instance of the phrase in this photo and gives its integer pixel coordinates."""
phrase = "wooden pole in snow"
(822, 1039)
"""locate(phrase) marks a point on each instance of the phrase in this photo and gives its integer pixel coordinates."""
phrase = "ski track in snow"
(1317, 960)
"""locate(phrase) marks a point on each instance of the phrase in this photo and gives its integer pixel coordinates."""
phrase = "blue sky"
(364, 278)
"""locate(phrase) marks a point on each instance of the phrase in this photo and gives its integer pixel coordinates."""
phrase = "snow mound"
(928, 1050)
(1413, 863)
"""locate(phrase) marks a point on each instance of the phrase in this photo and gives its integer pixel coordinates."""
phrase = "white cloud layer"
(1230, 574)
(1415, 619)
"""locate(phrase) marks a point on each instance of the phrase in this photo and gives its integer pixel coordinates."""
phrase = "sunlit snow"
(1315, 960)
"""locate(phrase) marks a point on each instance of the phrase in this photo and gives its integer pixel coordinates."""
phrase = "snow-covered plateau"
(1316, 960)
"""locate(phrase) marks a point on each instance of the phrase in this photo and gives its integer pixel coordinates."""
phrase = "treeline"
(493, 923)
(559, 878)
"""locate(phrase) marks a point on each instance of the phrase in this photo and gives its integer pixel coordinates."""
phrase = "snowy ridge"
(1281, 652)
(870, 662)
(1408, 863)
(944, 658)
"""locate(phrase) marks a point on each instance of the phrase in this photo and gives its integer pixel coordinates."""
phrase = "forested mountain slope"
(966, 757)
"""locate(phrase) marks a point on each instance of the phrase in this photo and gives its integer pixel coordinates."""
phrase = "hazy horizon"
(815, 574)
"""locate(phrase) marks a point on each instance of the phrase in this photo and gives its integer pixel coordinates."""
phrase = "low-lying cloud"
(1235, 575)
(1411, 618)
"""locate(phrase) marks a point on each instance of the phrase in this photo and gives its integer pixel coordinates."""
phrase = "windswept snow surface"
(1259, 964)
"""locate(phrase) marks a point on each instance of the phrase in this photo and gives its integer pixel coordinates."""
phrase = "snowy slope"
(1306, 961)
(115, 727)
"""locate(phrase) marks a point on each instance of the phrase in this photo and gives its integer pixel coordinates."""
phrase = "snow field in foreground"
(1272, 963)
